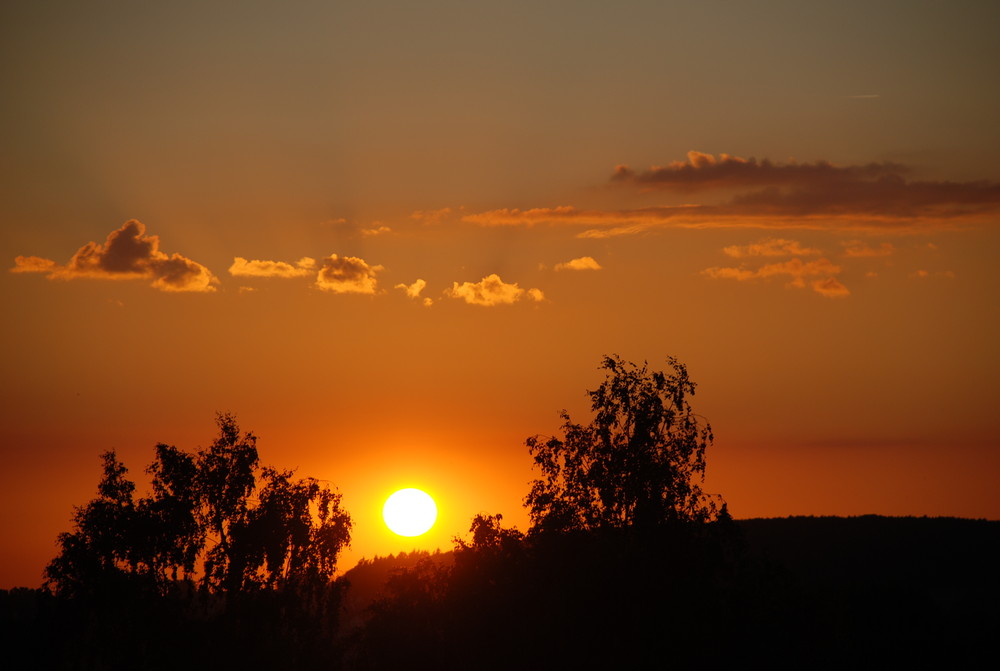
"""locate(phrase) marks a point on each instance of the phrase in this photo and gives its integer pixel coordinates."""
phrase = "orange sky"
(395, 240)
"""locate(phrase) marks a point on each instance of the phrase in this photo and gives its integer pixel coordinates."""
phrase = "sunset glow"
(396, 239)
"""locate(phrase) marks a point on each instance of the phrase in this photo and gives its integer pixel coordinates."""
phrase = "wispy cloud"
(34, 264)
(799, 273)
(255, 268)
(432, 216)
(582, 263)
(347, 275)
(926, 274)
(492, 290)
(375, 229)
(859, 249)
(769, 247)
(127, 254)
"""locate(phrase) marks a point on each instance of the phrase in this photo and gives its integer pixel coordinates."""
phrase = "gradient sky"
(395, 239)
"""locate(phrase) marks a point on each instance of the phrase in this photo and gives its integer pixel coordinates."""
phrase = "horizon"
(395, 242)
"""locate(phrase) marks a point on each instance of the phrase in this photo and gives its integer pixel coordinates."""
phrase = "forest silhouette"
(626, 563)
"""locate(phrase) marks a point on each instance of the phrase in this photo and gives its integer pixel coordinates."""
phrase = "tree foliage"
(215, 516)
(639, 462)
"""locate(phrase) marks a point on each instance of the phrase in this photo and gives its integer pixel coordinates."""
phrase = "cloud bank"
(818, 196)
(127, 254)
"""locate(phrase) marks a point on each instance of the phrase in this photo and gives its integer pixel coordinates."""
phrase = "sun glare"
(409, 512)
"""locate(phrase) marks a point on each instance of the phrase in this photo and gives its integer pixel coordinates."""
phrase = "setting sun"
(409, 512)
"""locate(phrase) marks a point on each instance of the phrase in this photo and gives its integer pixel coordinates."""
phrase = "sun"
(409, 512)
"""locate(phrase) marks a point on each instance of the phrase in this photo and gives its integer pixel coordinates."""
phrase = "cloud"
(347, 274)
(33, 264)
(244, 268)
(704, 171)
(924, 274)
(859, 249)
(582, 263)
(376, 229)
(796, 270)
(126, 254)
(808, 196)
(830, 287)
(491, 290)
(431, 216)
(413, 291)
(769, 247)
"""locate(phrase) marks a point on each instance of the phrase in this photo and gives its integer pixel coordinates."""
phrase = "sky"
(396, 239)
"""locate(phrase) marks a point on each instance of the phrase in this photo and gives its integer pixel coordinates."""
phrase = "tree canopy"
(639, 462)
(215, 516)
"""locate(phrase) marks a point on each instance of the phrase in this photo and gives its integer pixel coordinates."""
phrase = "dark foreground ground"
(803, 592)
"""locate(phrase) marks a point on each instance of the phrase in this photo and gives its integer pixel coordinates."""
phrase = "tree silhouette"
(637, 464)
(202, 517)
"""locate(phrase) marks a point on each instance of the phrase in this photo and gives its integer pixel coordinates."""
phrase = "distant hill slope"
(366, 582)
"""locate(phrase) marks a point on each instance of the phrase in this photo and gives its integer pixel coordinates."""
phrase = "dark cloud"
(704, 171)
(128, 253)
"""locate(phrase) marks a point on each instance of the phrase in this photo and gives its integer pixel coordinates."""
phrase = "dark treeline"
(627, 563)
(802, 592)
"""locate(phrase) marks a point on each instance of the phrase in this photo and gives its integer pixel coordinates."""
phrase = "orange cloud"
(613, 223)
(376, 229)
(126, 254)
(347, 274)
(33, 264)
(769, 247)
(255, 268)
(796, 270)
(830, 287)
(413, 290)
(491, 290)
(924, 274)
(431, 216)
(582, 263)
